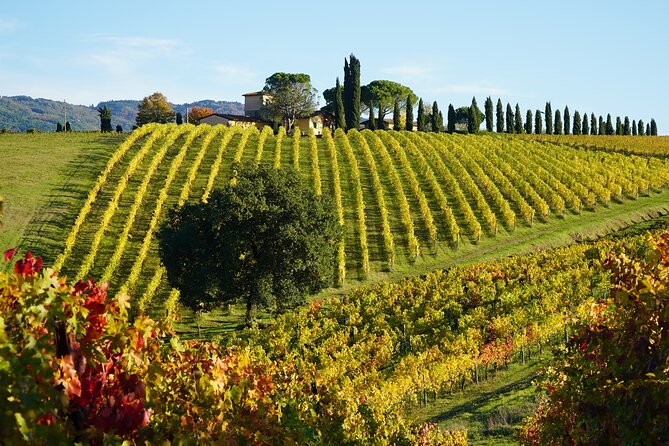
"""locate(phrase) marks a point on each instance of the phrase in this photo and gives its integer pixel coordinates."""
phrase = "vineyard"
(638, 145)
(403, 198)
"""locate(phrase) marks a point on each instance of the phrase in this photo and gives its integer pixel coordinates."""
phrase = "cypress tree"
(586, 126)
(634, 127)
(549, 118)
(601, 128)
(421, 116)
(371, 124)
(105, 119)
(180, 119)
(577, 123)
(567, 120)
(619, 126)
(68, 128)
(381, 122)
(488, 114)
(558, 122)
(626, 126)
(355, 93)
(500, 116)
(59, 127)
(476, 115)
(347, 93)
(538, 123)
(528, 122)
(409, 114)
(653, 127)
(509, 118)
(609, 125)
(640, 128)
(593, 124)
(451, 118)
(518, 120)
(647, 130)
(441, 121)
(396, 116)
(435, 117)
(340, 114)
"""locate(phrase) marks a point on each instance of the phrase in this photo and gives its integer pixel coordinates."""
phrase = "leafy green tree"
(538, 123)
(421, 116)
(509, 118)
(371, 123)
(267, 241)
(626, 126)
(451, 118)
(105, 119)
(384, 94)
(600, 125)
(641, 127)
(653, 127)
(585, 129)
(409, 113)
(340, 115)
(396, 116)
(435, 117)
(576, 130)
(154, 108)
(593, 124)
(619, 126)
(292, 97)
(500, 116)
(634, 127)
(488, 114)
(474, 118)
(180, 118)
(548, 114)
(567, 120)
(518, 120)
(558, 123)
(609, 125)
(528, 122)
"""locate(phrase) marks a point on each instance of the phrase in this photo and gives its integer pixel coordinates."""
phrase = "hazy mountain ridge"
(20, 113)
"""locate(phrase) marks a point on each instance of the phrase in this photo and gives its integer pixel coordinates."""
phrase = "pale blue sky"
(595, 56)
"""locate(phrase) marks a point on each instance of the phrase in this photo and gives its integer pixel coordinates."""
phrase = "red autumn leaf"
(9, 254)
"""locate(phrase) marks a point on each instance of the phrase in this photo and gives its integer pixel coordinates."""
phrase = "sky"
(594, 56)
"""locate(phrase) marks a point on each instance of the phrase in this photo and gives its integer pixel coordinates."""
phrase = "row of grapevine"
(315, 170)
(264, 134)
(341, 137)
(398, 189)
(336, 182)
(277, 150)
(297, 135)
(101, 180)
(227, 136)
(388, 241)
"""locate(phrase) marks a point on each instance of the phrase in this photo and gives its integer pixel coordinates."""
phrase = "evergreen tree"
(59, 127)
(441, 121)
(601, 129)
(538, 123)
(609, 125)
(371, 124)
(421, 115)
(180, 118)
(451, 118)
(634, 133)
(640, 128)
(528, 122)
(435, 117)
(488, 114)
(558, 122)
(548, 114)
(409, 114)
(647, 130)
(567, 120)
(585, 129)
(509, 118)
(340, 114)
(476, 115)
(119, 129)
(619, 126)
(348, 89)
(576, 130)
(68, 128)
(653, 127)
(105, 119)
(518, 120)
(500, 116)
(626, 126)
(354, 67)
(593, 124)
(396, 116)
(381, 122)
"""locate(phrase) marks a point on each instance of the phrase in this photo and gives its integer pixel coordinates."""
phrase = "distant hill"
(20, 113)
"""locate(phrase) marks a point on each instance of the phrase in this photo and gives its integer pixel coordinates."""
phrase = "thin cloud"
(9, 25)
(472, 89)
(123, 55)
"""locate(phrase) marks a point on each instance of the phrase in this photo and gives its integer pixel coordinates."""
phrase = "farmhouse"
(230, 120)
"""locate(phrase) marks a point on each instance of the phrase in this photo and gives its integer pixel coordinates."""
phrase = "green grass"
(44, 179)
(490, 411)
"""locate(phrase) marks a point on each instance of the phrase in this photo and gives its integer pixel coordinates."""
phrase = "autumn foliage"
(197, 113)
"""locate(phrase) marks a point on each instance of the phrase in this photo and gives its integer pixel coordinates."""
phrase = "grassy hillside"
(409, 202)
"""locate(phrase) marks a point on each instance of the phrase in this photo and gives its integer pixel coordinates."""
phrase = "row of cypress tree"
(557, 123)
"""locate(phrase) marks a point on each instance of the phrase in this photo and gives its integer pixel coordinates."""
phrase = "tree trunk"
(250, 312)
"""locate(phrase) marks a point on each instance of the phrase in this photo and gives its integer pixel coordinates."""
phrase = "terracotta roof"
(240, 118)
